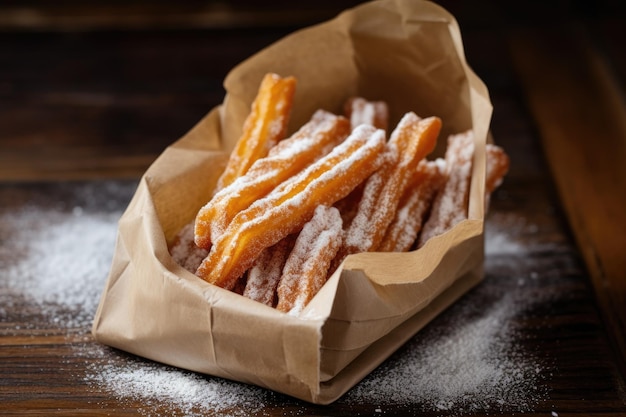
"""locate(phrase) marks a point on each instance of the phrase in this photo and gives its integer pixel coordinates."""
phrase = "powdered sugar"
(469, 365)
(306, 269)
(470, 358)
(62, 261)
(450, 204)
(163, 390)
(185, 252)
(362, 111)
(264, 276)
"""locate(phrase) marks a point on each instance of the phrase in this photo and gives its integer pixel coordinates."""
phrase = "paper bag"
(406, 52)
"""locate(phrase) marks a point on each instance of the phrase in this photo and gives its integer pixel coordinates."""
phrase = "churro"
(307, 267)
(497, 166)
(289, 206)
(450, 206)
(265, 274)
(287, 158)
(184, 250)
(362, 111)
(265, 125)
(410, 142)
(413, 207)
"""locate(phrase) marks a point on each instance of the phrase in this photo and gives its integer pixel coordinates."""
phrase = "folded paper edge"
(379, 351)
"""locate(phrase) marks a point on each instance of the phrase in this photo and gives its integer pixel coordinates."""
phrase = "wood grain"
(144, 15)
(578, 106)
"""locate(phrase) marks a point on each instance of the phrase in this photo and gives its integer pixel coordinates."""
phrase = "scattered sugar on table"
(469, 359)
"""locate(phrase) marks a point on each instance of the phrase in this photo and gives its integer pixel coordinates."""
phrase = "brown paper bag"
(406, 52)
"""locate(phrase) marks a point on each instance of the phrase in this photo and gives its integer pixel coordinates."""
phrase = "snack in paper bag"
(289, 195)
(405, 54)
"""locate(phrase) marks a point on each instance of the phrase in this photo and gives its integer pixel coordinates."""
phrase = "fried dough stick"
(410, 142)
(362, 111)
(306, 269)
(265, 274)
(264, 127)
(184, 250)
(451, 203)
(497, 166)
(288, 207)
(414, 206)
(287, 158)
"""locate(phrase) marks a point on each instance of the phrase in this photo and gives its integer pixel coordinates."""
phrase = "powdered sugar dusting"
(307, 267)
(361, 111)
(471, 366)
(185, 251)
(164, 390)
(264, 276)
(450, 204)
(62, 261)
(470, 358)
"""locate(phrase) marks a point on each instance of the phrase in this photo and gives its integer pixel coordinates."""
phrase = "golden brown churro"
(264, 127)
(286, 212)
(451, 203)
(265, 274)
(289, 206)
(410, 142)
(413, 208)
(362, 111)
(286, 159)
(306, 269)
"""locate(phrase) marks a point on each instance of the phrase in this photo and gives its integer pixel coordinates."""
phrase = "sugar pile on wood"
(163, 390)
(466, 364)
(58, 261)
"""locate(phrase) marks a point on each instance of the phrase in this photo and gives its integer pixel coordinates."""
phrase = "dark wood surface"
(91, 94)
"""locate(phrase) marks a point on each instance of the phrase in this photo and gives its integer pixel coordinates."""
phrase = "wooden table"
(90, 95)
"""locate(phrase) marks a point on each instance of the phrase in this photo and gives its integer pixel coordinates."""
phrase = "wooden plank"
(108, 103)
(142, 15)
(577, 105)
